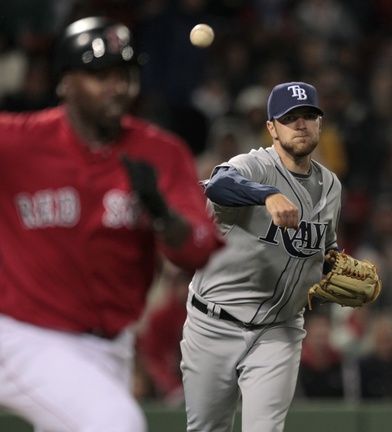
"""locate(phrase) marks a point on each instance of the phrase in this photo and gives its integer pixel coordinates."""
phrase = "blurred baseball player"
(278, 210)
(90, 197)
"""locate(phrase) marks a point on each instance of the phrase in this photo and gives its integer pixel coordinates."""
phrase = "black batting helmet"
(94, 43)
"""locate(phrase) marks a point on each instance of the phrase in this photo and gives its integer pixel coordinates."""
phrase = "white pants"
(221, 362)
(63, 382)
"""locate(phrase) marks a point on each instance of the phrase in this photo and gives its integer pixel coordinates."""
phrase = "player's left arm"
(185, 197)
(172, 228)
(174, 200)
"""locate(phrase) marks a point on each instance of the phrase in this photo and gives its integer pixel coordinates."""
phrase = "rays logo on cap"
(298, 92)
(287, 96)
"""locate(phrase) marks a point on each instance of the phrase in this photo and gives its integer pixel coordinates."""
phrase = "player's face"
(98, 99)
(297, 133)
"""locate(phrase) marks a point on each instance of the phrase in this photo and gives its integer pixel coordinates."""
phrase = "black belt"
(224, 315)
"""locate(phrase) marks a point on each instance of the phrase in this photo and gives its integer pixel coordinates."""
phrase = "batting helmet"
(94, 43)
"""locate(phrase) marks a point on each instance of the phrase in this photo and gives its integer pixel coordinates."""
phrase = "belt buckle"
(213, 310)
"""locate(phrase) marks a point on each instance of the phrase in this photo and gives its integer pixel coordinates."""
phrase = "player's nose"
(300, 122)
(115, 84)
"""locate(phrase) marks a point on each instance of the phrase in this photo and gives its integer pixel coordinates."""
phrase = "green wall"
(303, 417)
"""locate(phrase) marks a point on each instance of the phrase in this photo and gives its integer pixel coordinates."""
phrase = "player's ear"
(271, 129)
(61, 88)
(134, 82)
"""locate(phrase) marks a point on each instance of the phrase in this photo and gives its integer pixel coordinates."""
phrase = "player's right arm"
(227, 187)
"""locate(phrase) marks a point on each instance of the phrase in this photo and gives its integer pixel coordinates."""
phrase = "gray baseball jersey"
(263, 274)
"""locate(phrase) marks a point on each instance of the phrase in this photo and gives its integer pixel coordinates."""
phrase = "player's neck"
(95, 136)
(297, 165)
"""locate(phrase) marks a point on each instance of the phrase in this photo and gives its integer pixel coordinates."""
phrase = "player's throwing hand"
(284, 213)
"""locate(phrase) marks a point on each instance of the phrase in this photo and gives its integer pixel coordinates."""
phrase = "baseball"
(202, 35)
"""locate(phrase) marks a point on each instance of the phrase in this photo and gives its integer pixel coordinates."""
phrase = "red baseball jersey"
(76, 251)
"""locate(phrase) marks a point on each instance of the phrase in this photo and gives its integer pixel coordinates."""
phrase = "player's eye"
(286, 119)
(310, 116)
(105, 74)
(291, 118)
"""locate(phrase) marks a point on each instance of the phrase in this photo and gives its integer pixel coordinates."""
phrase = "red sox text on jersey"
(61, 208)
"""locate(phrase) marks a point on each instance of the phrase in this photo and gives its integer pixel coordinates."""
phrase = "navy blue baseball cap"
(287, 96)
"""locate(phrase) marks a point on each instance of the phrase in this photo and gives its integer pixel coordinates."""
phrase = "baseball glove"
(350, 282)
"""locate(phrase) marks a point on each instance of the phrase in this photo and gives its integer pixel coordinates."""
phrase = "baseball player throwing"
(278, 210)
(90, 197)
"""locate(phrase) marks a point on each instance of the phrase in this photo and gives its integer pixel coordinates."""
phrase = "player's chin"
(304, 147)
(115, 110)
(111, 117)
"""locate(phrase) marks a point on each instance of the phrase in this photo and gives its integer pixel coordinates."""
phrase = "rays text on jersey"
(301, 243)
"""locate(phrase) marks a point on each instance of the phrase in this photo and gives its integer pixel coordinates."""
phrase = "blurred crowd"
(215, 98)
